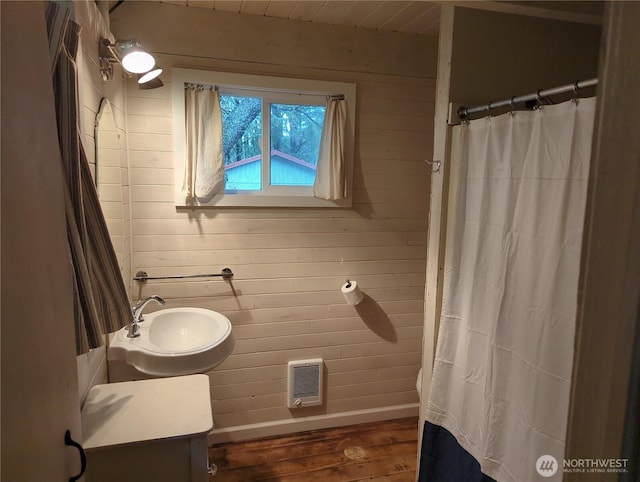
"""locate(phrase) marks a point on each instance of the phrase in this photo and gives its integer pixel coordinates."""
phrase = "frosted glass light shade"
(152, 74)
(138, 62)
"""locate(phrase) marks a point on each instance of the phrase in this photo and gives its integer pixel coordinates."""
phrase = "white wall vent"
(305, 383)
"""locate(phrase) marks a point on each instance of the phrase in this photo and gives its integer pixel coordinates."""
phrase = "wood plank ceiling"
(413, 17)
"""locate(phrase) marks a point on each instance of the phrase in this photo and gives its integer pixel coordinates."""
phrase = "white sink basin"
(175, 341)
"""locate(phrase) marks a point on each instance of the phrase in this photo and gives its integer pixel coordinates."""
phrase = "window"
(291, 130)
(271, 129)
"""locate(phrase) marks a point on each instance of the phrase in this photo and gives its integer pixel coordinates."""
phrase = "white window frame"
(273, 90)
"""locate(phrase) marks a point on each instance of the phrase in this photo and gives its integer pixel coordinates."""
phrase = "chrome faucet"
(133, 330)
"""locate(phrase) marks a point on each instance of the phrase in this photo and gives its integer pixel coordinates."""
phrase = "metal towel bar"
(226, 274)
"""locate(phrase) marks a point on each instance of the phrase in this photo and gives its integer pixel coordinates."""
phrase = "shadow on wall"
(376, 319)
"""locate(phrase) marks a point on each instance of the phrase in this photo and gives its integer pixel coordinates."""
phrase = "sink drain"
(355, 453)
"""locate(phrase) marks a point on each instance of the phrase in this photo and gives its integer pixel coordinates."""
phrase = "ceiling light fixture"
(133, 59)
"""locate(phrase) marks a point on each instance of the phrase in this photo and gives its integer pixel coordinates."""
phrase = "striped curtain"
(101, 304)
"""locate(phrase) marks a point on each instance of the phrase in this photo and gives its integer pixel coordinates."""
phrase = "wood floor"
(380, 451)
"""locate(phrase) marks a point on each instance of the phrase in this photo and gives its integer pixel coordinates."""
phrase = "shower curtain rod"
(464, 112)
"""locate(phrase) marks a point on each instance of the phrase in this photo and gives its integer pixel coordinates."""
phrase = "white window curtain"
(502, 371)
(331, 177)
(204, 163)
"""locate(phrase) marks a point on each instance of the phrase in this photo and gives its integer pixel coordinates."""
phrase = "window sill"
(245, 200)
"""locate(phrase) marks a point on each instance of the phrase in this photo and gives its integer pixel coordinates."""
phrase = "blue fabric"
(444, 460)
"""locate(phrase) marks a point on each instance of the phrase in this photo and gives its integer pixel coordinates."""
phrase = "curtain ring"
(539, 100)
(576, 87)
(512, 106)
(489, 113)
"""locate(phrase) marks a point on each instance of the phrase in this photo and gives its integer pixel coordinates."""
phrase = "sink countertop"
(145, 410)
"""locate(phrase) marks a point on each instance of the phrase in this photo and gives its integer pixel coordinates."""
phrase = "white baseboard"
(316, 422)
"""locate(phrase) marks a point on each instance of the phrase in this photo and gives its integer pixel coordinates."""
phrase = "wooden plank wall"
(285, 301)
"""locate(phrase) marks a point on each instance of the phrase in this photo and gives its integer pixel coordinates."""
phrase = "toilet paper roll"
(352, 293)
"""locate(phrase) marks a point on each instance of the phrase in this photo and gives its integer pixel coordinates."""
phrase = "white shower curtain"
(502, 371)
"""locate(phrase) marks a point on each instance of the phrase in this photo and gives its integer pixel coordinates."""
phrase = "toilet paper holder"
(351, 292)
